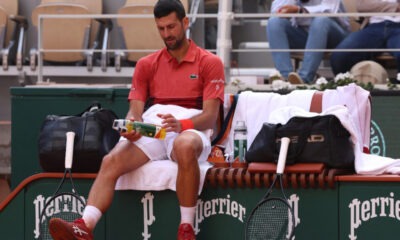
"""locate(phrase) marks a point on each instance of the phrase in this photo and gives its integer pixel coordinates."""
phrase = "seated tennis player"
(182, 80)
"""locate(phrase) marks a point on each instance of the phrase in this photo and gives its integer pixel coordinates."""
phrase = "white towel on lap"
(156, 176)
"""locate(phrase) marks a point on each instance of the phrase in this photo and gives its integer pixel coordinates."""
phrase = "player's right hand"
(131, 135)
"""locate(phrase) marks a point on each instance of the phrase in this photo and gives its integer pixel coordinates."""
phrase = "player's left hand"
(170, 123)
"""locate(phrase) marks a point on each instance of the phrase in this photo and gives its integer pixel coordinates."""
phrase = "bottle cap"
(240, 125)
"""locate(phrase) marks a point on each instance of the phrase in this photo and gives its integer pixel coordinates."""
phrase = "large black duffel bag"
(94, 138)
(313, 139)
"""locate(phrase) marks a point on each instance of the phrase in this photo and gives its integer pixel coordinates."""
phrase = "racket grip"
(282, 155)
(69, 149)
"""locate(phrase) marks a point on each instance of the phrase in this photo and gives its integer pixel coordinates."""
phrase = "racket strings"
(269, 221)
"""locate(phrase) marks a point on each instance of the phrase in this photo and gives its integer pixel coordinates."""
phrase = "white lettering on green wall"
(218, 206)
(378, 207)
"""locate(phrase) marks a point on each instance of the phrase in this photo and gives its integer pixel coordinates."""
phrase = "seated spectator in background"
(381, 32)
(304, 33)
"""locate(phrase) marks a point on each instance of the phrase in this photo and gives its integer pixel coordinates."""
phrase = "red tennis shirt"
(159, 78)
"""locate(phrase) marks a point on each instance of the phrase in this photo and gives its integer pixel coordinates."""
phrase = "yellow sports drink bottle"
(145, 129)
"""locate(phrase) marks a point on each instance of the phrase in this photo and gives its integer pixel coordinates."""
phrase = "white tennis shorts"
(157, 149)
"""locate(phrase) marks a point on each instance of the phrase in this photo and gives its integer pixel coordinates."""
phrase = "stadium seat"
(3, 26)
(100, 29)
(12, 37)
(74, 34)
(94, 7)
(140, 34)
(80, 35)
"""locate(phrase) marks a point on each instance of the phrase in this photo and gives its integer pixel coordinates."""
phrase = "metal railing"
(224, 49)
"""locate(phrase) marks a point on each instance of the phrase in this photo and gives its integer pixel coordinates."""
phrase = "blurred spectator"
(304, 33)
(379, 32)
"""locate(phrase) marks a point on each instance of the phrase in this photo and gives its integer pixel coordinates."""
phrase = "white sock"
(91, 215)
(188, 214)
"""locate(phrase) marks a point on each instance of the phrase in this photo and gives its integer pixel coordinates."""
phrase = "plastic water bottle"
(240, 142)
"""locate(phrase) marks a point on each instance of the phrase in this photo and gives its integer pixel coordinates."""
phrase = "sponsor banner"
(377, 142)
(369, 210)
(220, 213)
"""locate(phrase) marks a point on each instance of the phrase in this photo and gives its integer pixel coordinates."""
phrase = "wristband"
(186, 124)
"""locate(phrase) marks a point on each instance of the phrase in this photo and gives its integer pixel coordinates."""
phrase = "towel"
(351, 104)
(364, 163)
(254, 109)
(156, 176)
(161, 174)
(357, 101)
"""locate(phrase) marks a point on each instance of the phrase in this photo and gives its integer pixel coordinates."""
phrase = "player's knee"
(109, 164)
(187, 145)
(107, 159)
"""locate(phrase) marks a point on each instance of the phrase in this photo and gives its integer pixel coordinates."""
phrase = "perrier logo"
(377, 142)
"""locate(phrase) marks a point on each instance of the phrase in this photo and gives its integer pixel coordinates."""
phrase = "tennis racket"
(273, 217)
(65, 205)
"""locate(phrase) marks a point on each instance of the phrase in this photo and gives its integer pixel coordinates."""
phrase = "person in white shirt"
(381, 32)
(304, 33)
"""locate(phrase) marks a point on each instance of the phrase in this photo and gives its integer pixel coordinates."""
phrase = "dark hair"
(165, 7)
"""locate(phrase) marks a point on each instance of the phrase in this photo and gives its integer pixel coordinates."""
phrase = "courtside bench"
(328, 203)
(321, 196)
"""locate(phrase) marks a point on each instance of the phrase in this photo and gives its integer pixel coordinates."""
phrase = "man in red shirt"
(180, 87)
